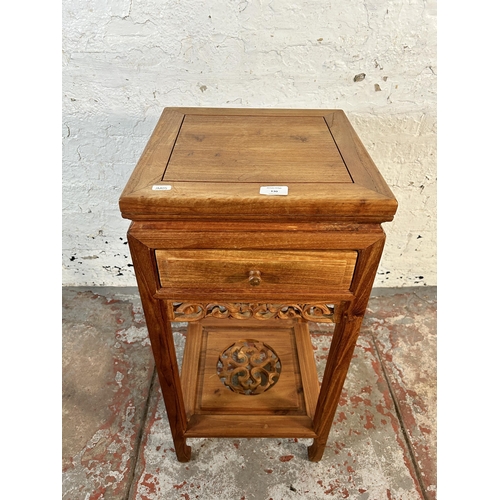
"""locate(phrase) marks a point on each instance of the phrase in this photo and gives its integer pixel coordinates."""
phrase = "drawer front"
(258, 270)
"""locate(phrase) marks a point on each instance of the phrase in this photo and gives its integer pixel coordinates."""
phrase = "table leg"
(343, 344)
(162, 344)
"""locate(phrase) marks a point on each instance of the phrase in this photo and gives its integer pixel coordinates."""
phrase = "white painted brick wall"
(124, 61)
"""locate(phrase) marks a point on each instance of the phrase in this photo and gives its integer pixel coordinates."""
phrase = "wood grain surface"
(214, 162)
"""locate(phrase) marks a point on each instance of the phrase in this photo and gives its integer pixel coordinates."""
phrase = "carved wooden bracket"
(194, 311)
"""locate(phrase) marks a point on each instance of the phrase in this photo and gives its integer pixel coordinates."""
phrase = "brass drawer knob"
(254, 278)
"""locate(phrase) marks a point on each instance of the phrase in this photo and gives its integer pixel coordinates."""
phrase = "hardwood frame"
(224, 218)
(144, 238)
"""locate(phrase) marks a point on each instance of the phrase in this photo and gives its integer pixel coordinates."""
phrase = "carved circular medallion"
(249, 367)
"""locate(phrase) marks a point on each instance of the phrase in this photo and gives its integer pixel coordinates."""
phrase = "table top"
(253, 164)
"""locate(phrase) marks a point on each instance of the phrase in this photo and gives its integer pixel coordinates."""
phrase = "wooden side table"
(247, 224)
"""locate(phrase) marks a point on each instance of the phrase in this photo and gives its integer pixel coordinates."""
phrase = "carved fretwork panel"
(249, 367)
(194, 311)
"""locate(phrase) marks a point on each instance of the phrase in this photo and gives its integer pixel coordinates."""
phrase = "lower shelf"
(246, 426)
(249, 379)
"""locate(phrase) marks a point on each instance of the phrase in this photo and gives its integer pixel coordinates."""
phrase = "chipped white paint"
(125, 61)
(94, 475)
(119, 378)
(132, 334)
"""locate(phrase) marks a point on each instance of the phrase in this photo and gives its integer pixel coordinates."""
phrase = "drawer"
(259, 270)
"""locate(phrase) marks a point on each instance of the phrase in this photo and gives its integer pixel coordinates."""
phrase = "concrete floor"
(117, 443)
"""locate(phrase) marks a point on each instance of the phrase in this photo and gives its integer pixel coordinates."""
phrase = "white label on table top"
(274, 190)
(161, 187)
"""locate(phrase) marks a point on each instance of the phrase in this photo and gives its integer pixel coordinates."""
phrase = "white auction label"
(161, 187)
(274, 190)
